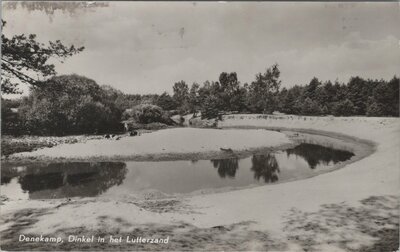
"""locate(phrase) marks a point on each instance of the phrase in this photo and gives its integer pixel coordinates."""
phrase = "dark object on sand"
(133, 133)
(117, 138)
(227, 149)
(220, 228)
(113, 135)
(107, 136)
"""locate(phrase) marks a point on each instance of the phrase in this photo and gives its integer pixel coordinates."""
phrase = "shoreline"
(154, 157)
(362, 149)
(368, 146)
(163, 145)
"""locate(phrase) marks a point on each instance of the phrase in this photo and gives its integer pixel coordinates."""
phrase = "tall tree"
(311, 89)
(358, 93)
(385, 99)
(263, 91)
(194, 98)
(394, 86)
(24, 60)
(210, 102)
(166, 102)
(230, 87)
(181, 95)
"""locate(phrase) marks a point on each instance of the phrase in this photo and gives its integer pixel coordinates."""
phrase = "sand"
(353, 208)
(171, 141)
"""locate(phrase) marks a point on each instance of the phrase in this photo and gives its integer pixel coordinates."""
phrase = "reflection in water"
(5, 180)
(266, 167)
(317, 154)
(114, 179)
(60, 180)
(33, 183)
(226, 167)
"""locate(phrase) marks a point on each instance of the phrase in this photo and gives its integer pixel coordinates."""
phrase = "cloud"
(146, 47)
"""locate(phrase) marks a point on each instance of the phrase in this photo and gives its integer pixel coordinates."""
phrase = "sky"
(145, 47)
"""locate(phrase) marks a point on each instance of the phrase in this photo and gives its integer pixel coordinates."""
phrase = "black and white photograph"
(200, 126)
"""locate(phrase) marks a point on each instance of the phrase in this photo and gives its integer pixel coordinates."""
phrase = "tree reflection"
(59, 180)
(317, 154)
(266, 167)
(5, 180)
(226, 167)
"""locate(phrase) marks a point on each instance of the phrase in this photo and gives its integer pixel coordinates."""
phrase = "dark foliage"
(226, 167)
(316, 154)
(23, 57)
(10, 121)
(265, 167)
(166, 102)
(359, 97)
(146, 113)
(68, 104)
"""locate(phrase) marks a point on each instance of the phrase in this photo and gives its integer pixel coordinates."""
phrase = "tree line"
(357, 97)
(73, 104)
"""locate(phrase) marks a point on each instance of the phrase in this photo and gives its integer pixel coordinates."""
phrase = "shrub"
(145, 113)
(68, 104)
(10, 121)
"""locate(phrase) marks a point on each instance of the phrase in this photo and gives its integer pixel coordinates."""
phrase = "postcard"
(199, 126)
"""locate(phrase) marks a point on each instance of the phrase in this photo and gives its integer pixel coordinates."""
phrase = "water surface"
(90, 179)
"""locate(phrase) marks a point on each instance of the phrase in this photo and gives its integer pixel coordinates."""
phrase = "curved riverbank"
(361, 148)
(168, 144)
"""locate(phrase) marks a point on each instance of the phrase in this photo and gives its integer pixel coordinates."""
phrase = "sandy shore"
(351, 209)
(167, 144)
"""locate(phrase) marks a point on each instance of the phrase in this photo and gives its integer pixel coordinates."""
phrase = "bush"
(68, 104)
(10, 122)
(146, 113)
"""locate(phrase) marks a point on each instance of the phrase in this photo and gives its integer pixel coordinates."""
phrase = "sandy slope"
(176, 140)
(336, 204)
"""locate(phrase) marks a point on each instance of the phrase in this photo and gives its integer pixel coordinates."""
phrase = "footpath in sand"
(351, 209)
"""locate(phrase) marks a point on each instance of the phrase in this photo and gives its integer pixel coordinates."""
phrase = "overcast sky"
(142, 47)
